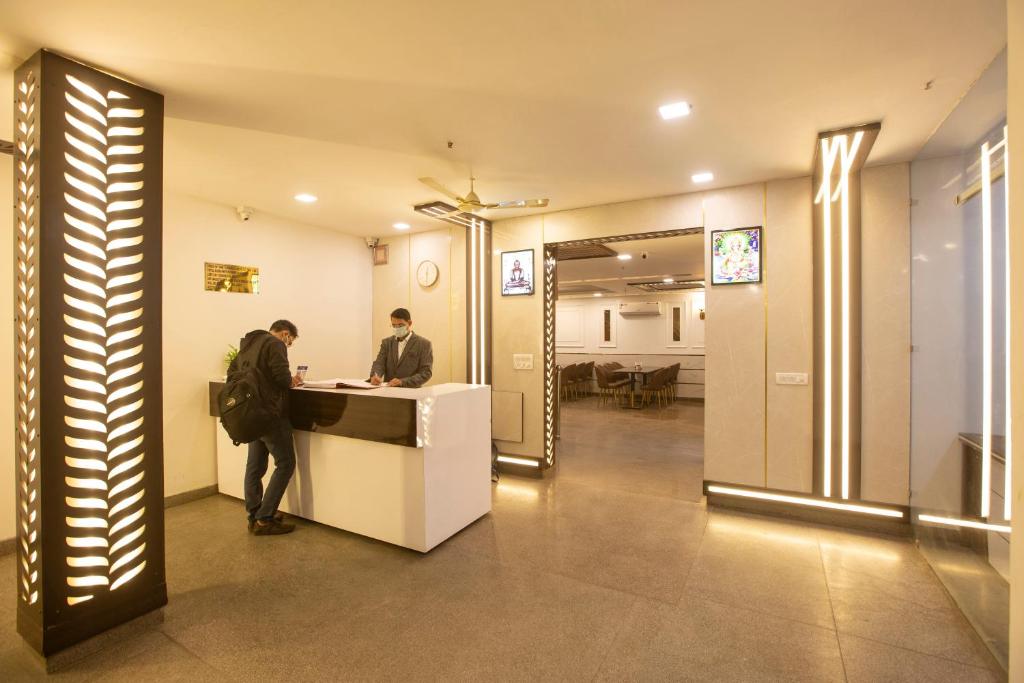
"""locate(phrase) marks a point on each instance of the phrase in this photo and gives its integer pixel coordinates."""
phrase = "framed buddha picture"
(736, 256)
(517, 272)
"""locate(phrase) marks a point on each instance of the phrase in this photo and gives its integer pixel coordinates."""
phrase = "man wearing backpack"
(262, 361)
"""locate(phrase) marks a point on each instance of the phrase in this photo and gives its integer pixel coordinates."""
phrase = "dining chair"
(654, 386)
(586, 377)
(670, 383)
(564, 378)
(606, 387)
(574, 380)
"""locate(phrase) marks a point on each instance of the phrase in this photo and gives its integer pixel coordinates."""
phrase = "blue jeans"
(277, 442)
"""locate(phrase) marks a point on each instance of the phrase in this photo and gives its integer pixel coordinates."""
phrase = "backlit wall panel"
(26, 287)
(839, 156)
(88, 278)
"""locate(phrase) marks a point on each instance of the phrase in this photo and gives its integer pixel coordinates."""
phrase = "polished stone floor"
(609, 570)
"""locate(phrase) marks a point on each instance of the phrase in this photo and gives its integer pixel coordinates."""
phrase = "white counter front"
(412, 496)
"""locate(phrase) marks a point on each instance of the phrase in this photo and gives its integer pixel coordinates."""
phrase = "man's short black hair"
(288, 325)
(402, 314)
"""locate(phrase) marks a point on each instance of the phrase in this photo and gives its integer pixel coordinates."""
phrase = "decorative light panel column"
(88, 191)
(839, 156)
(478, 285)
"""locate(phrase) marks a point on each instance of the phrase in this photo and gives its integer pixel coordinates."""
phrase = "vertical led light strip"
(847, 155)
(473, 378)
(27, 339)
(1008, 449)
(551, 407)
(482, 296)
(986, 331)
(828, 155)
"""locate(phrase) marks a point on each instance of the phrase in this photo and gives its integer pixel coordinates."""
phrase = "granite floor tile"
(868, 661)
(915, 617)
(616, 539)
(703, 641)
(492, 618)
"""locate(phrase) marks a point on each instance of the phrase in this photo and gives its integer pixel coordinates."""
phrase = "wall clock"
(427, 273)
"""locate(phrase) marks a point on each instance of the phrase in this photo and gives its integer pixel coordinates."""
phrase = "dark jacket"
(273, 364)
(414, 368)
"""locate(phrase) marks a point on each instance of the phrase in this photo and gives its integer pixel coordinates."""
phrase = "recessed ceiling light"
(305, 198)
(668, 280)
(598, 294)
(401, 226)
(703, 177)
(624, 257)
(674, 110)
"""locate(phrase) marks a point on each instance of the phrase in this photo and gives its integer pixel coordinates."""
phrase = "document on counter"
(339, 384)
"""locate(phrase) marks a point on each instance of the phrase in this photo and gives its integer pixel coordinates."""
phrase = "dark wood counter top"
(368, 416)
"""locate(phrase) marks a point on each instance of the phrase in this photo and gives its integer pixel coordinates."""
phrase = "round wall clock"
(426, 273)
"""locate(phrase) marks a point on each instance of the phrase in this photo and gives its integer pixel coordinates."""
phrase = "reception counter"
(406, 466)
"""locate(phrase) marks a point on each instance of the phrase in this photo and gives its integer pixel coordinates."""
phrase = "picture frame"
(737, 256)
(517, 273)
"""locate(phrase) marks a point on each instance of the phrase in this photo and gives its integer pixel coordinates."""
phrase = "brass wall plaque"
(225, 277)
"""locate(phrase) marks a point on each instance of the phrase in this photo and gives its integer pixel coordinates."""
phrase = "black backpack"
(245, 402)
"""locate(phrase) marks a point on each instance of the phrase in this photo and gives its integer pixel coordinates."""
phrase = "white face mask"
(401, 331)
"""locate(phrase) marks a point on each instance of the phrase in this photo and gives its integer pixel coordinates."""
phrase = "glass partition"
(959, 451)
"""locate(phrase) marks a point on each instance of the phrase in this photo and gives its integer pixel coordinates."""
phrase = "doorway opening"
(624, 355)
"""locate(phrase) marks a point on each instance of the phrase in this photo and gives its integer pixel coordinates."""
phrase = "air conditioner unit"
(637, 309)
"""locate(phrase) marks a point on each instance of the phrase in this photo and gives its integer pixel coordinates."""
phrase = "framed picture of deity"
(517, 273)
(736, 256)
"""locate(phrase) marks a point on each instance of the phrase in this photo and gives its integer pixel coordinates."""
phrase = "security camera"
(371, 242)
(244, 212)
(643, 254)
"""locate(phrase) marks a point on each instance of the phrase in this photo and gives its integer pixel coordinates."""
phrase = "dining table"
(635, 373)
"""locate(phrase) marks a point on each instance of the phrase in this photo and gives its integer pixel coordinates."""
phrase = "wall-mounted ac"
(641, 308)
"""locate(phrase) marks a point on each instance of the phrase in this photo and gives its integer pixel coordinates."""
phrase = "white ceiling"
(681, 258)
(354, 100)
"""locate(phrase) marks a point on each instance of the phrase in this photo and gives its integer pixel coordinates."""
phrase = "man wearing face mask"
(405, 358)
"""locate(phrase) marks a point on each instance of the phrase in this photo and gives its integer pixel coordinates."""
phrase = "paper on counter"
(339, 384)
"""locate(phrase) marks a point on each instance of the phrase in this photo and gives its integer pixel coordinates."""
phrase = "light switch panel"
(522, 361)
(791, 378)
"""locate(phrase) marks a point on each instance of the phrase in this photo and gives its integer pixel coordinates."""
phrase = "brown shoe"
(278, 516)
(272, 527)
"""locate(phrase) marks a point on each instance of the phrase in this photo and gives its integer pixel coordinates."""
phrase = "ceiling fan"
(471, 202)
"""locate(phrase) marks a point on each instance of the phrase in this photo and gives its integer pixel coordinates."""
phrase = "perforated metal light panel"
(88, 296)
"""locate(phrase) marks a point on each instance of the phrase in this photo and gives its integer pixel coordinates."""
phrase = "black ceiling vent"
(659, 286)
(574, 252)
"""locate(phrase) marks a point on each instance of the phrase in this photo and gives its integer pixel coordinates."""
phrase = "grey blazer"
(414, 368)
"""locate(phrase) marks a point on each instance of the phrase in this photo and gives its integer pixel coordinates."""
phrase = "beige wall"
(518, 327)
(1015, 27)
(885, 333)
(789, 328)
(756, 432)
(438, 311)
(319, 279)
(7, 504)
(734, 412)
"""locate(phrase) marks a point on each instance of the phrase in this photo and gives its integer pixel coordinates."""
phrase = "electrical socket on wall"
(522, 361)
(791, 378)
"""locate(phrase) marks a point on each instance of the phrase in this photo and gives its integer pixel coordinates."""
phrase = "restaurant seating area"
(615, 384)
